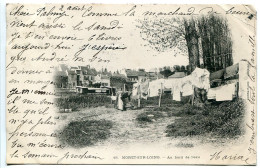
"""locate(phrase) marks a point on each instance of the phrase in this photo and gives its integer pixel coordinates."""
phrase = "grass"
(220, 119)
(177, 109)
(149, 116)
(184, 145)
(168, 108)
(76, 102)
(166, 101)
(85, 133)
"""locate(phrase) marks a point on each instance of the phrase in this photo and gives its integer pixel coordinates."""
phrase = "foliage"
(76, 102)
(149, 116)
(223, 120)
(85, 133)
(206, 36)
(161, 34)
(216, 42)
(166, 73)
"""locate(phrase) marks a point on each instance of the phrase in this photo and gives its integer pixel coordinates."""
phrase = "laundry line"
(198, 78)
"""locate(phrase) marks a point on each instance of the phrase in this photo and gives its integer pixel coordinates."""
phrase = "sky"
(140, 55)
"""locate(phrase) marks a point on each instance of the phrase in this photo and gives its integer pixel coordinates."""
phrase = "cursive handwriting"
(85, 155)
(220, 156)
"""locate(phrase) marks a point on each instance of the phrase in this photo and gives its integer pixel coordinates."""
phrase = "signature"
(224, 157)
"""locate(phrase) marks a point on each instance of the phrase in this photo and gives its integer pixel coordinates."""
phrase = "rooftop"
(130, 72)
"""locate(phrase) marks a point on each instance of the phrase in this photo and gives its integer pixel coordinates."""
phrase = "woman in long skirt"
(120, 102)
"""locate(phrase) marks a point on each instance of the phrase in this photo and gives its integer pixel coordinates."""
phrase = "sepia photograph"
(131, 84)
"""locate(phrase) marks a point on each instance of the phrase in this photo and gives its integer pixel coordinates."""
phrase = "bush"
(223, 120)
(143, 118)
(149, 116)
(162, 109)
(76, 102)
(85, 133)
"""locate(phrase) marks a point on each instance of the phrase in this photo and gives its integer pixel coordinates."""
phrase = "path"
(126, 129)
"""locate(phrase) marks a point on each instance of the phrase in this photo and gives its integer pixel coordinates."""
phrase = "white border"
(2, 63)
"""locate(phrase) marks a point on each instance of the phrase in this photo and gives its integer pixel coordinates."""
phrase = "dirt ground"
(127, 131)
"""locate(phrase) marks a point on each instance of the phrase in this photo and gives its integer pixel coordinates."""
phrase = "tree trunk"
(216, 42)
(191, 37)
(203, 30)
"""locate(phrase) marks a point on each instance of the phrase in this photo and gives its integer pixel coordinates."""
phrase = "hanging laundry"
(144, 89)
(168, 83)
(176, 89)
(176, 94)
(218, 75)
(212, 93)
(155, 87)
(200, 78)
(186, 86)
(226, 92)
(135, 89)
(231, 71)
(187, 89)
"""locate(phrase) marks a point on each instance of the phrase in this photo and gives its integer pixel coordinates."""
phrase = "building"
(104, 80)
(88, 75)
(135, 76)
(72, 79)
(61, 76)
(154, 75)
(118, 81)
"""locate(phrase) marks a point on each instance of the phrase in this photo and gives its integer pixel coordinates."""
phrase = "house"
(68, 77)
(118, 81)
(104, 80)
(142, 75)
(177, 75)
(61, 76)
(61, 79)
(135, 76)
(80, 77)
(154, 75)
(72, 79)
(88, 75)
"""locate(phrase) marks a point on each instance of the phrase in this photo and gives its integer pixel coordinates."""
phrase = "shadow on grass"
(150, 116)
(85, 133)
(184, 145)
(220, 120)
(177, 110)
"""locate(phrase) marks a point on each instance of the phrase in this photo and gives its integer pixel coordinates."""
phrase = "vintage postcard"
(131, 84)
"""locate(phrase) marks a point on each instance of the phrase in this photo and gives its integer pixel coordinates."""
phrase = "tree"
(211, 31)
(165, 34)
(166, 73)
(161, 34)
(182, 68)
(216, 42)
(192, 39)
(188, 69)
(177, 68)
